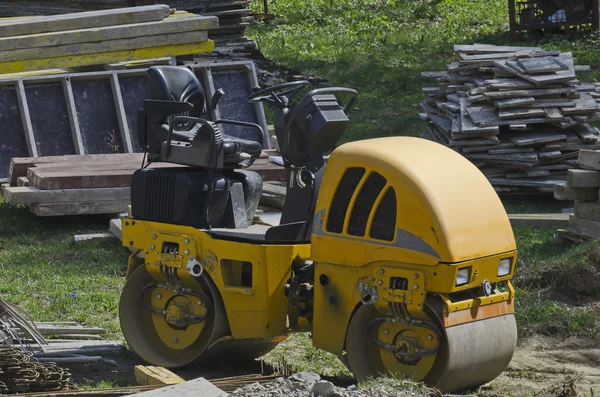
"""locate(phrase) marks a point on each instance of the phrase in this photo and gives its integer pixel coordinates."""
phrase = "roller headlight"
(504, 267)
(462, 276)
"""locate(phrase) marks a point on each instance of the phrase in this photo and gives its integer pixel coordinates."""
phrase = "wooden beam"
(20, 165)
(583, 178)
(72, 112)
(108, 33)
(79, 179)
(588, 210)
(121, 114)
(26, 119)
(29, 195)
(83, 20)
(589, 159)
(134, 43)
(584, 227)
(539, 220)
(71, 209)
(107, 57)
(151, 375)
(567, 193)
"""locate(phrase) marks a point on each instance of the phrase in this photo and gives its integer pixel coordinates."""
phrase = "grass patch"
(380, 48)
(299, 352)
(537, 313)
(55, 279)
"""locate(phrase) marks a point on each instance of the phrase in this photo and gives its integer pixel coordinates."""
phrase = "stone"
(306, 377)
(323, 388)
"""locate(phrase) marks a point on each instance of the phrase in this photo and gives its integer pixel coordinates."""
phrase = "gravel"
(309, 384)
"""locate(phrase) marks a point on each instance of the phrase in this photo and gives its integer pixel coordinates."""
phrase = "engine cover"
(178, 196)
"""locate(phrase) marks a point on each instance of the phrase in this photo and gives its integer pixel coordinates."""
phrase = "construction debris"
(100, 37)
(93, 184)
(582, 187)
(234, 15)
(518, 113)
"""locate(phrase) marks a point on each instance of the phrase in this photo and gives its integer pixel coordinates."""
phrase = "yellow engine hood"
(442, 198)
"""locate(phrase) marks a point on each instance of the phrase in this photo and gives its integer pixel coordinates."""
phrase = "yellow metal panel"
(256, 312)
(106, 57)
(447, 210)
(336, 300)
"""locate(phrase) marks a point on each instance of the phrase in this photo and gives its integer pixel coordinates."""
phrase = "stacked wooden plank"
(234, 15)
(582, 187)
(88, 184)
(101, 37)
(518, 113)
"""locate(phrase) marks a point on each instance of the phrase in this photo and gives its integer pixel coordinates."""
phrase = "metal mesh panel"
(384, 221)
(364, 204)
(342, 197)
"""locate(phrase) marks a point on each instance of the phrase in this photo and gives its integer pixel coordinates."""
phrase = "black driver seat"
(172, 83)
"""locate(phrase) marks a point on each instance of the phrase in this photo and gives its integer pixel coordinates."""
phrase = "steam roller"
(395, 253)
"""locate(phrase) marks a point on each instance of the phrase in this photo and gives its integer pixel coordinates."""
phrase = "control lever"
(216, 98)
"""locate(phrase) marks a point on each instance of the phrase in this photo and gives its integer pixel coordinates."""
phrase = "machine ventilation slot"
(364, 204)
(384, 221)
(160, 195)
(342, 197)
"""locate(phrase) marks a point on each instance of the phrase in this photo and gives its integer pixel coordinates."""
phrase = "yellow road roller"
(396, 254)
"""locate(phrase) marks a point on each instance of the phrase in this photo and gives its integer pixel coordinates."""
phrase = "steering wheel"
(276, 93)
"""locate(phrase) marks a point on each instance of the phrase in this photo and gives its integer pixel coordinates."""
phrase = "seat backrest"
(172, 83)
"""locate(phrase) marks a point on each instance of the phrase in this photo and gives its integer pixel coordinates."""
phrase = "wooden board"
(530, 138)
(133, 43)
(542, 65)
(79, 179)
(101, 58)
(539, 220)
(81, 208)
(91, 19)
(30, 195)
(20, 165)
(151, 375)
(514, 102)
(107, 33)
(517, 113)
(528, 93)
(491, 49)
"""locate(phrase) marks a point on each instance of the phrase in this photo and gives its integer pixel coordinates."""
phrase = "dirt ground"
(542, 362)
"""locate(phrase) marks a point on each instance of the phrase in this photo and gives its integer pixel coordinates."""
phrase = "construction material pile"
(89, 184)
(101, 37)
(22, 373)
(234, 15)
(518, 113)
(582, 187)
